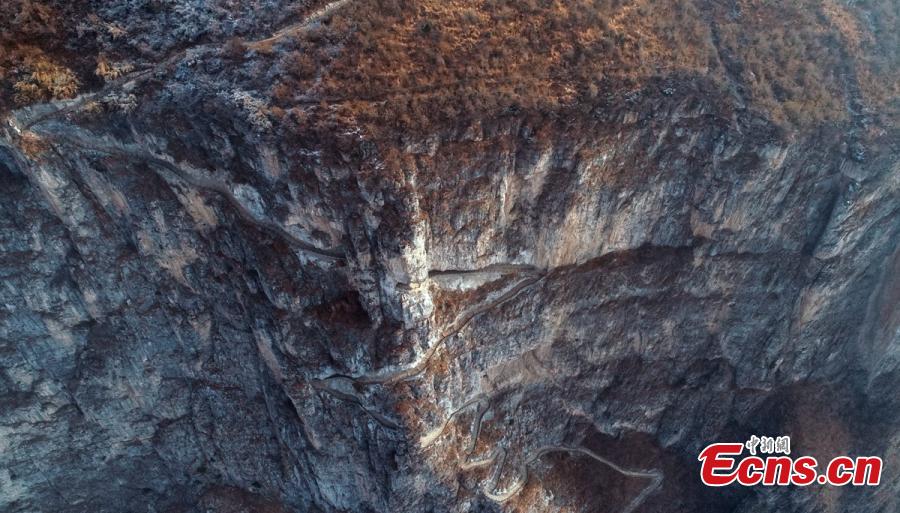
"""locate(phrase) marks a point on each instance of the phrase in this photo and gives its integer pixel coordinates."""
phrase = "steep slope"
(450, 256)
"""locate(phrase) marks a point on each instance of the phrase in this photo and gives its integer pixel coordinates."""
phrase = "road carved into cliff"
(156, 162)
(378, 417)
(314, 17)
(655, 476)
(498, 456)
(417, 368)
(131, 79)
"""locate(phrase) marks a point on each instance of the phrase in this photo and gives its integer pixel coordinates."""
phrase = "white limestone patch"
(465, 281)
(250, 199)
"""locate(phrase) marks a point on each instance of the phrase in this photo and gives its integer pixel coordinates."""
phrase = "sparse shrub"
(254, 109)
(111, 70)
(44, 80)
(234, 49)
(32, 144)
(283, 93)
(299, 64)
(120, 103)
(474, 58)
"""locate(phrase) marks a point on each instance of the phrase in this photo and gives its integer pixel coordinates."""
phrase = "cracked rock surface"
(207, 305)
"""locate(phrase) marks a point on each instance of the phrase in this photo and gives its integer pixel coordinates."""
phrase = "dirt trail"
(435, 433)
(654, 476)
(131, 79)
(311, 19)
(156, 162)
(493, 268)
(344, 396)
(497, 457)
(417, 368)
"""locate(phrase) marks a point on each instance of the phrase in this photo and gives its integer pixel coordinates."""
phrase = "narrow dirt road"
(131, 79)
(156, 162)
(311, 19)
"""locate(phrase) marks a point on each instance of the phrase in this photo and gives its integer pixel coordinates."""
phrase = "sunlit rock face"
(219, 297)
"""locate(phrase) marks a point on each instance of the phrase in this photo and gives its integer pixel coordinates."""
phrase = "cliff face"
(259, 269)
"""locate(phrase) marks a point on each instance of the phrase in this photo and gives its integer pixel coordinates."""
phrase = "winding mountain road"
(155, 162)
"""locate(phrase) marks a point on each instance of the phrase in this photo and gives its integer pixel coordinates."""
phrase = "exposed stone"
(202, 310)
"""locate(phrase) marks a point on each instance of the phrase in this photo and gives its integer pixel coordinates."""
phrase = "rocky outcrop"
(204, 309)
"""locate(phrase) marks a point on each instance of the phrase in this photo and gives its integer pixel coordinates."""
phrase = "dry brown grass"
(427, 61)
(38, 78)
(32, 144)
(789, 60)
(109, 70)
(417, 64)
(27, 73)
(414, 64)
(871, 36)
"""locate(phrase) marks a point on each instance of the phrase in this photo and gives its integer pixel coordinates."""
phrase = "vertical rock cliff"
(481, 255)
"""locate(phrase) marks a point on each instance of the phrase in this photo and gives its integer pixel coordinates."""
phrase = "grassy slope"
(412, 64)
